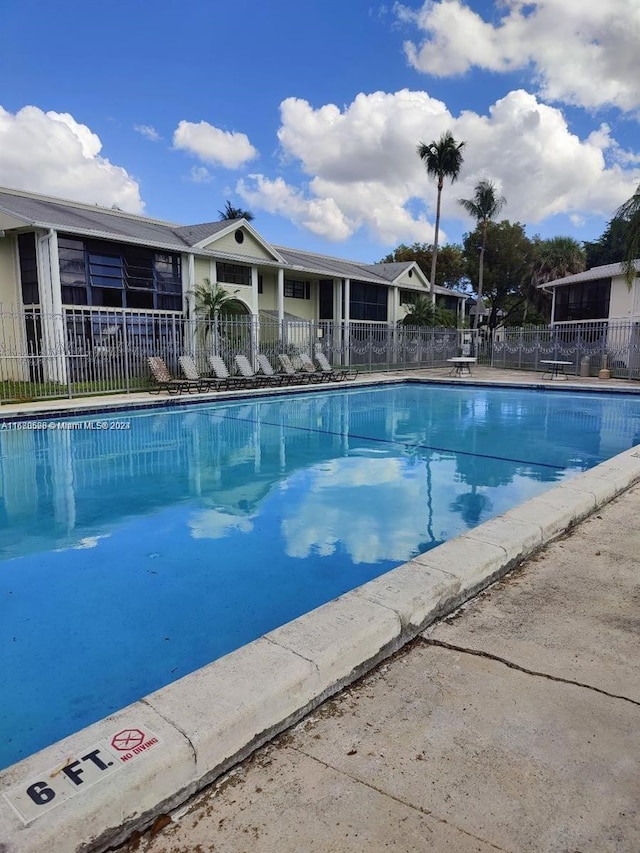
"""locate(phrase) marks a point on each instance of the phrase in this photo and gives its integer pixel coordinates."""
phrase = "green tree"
(422, 312)
(442, 159)
(608, 248)
(452, 268)
(507, 269)
(629, 213)
(553, 258)
(213, 304)
(484, 206)
(231, 212)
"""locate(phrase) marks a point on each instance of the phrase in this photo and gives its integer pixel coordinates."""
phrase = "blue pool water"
(129, 558)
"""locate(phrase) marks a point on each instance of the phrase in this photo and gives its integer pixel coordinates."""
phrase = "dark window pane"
(28, 269)
(139, 299)
(233, 273)
(74, 295)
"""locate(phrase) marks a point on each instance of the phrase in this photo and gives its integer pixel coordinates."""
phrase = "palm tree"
(555, 257)
(231, 212)
(423, 312)
(484, 205)
(629, 213)
(442, 159)
(212, 303)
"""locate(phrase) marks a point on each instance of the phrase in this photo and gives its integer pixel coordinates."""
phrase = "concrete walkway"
(512, 725)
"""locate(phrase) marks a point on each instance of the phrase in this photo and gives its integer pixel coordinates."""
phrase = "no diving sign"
(77, 773)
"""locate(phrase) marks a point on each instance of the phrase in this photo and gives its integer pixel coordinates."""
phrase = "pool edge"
(213, 718)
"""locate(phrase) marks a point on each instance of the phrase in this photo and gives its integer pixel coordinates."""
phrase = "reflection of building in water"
(59, 488)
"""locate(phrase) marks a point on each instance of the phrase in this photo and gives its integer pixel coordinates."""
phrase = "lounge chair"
(267, 369)
(292, 373)
(190, 371)
(337, 372)
(316, 374)
(164, 381)
(221, 372)
(244, 366)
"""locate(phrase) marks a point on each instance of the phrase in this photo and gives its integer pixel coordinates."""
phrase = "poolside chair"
(267, 369)
(164, 381)
(221, 372)
(337, 372)
(292, 373)
(244, 366)
(307, 365)
(190, 371)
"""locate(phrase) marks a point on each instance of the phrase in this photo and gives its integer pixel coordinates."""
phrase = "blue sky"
(309, 114)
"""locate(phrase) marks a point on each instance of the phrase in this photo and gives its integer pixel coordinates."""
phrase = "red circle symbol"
(127, 739)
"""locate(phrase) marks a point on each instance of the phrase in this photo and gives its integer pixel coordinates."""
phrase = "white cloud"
(583, 52)
(212, 145)
(324, 518)
(147, 131)
(200, 175)
(52, 153)
(363, 171)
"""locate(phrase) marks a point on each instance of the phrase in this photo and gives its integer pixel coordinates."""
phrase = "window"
(297, 289)
(260, 283)
(367, 302)
(115, 275)
(233, 273)
(28, 268)
(239, 235)
(587, 300)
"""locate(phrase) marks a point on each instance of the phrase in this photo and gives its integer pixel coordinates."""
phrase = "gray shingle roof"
(87, 219)
(606, 271)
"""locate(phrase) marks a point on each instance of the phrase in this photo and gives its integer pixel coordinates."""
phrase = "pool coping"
(209, 720)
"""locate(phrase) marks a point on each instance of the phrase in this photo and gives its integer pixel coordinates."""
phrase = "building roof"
(606, 271)
(25, 209)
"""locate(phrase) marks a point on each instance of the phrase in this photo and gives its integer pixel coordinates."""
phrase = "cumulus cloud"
(54, 154)
(147, 131)
(363, 171)
(200, 175)
(583, 53)
(212, 145)
(325, 516)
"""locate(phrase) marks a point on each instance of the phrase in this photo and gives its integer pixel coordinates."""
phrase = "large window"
(28, 268)
(115, 275)
(297, 289)
(588, 300)
(233, 273)
(367, 302)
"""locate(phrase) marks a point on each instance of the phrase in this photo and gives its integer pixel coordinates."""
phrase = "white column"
(553, 304)
(190, 342)
(55, 365)
(337, 321)
(213, 271)
(255, 316)
(280, 303)
(347, 320)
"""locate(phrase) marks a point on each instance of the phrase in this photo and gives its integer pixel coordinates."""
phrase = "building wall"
(9, 282)
(268, 299)
(621, 301)
(250, 246)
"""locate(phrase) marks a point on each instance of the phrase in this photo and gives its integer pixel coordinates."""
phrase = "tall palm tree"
(629, 213)
(484, 205)
(231, 212)
(442, 159)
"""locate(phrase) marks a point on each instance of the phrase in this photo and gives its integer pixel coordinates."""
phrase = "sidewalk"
(512, 725)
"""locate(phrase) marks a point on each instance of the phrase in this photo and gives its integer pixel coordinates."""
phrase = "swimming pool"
(134, 555)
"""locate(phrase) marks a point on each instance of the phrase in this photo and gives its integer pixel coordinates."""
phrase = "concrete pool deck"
(202, 725)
